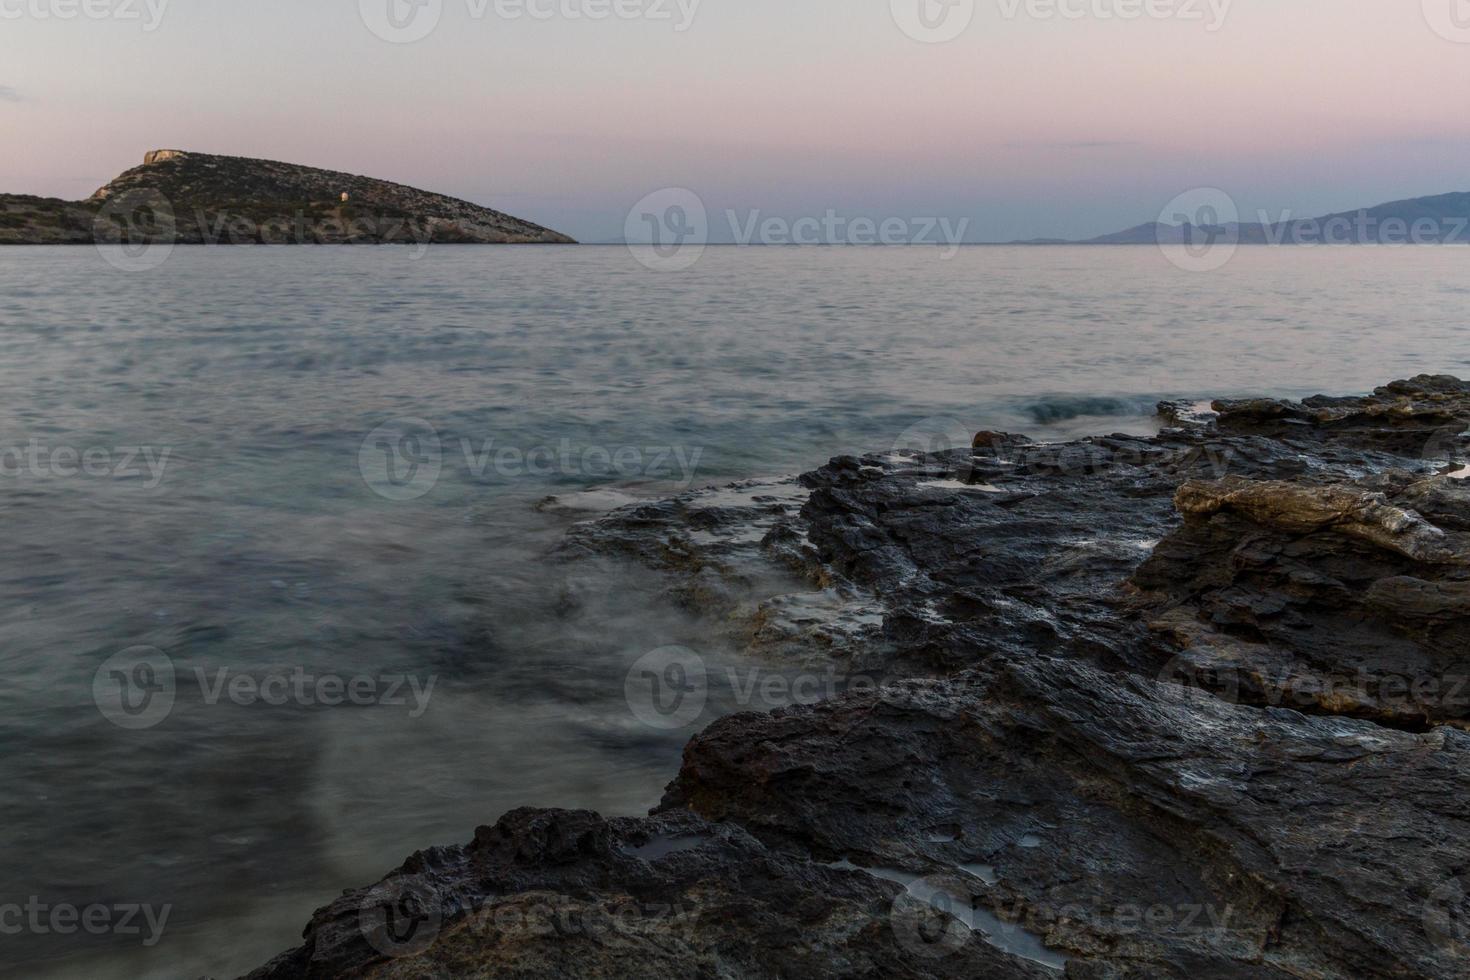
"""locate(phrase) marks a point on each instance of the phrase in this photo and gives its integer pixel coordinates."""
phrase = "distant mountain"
(197, 198)
(1421, 220)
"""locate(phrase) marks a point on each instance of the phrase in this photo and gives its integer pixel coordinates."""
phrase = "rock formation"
(1189, 706)
(199, 198)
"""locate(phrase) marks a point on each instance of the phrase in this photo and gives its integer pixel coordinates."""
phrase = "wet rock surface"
(1180, 706)
(1346, 599)
(569, 894)
(1142, 828)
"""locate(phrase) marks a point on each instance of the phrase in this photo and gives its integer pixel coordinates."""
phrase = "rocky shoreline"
(1191, 705)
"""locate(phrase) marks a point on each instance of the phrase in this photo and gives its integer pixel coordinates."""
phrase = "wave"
(1051, 409)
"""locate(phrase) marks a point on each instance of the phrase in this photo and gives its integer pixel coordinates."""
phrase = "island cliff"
(200, 198)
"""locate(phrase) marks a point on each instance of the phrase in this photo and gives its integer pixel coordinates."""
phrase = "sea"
(282, 596)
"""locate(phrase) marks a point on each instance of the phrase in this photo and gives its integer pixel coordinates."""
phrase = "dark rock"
(1427, 415)
(1162, 832)
(547, 893)
(998, 440)
(1181, 706)
(1319, 598)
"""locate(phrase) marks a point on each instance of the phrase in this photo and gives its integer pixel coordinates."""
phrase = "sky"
(1019, 118)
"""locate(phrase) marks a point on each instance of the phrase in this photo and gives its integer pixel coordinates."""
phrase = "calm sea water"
(270, 463)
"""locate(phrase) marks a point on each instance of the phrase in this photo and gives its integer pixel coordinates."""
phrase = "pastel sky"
(1029, 123)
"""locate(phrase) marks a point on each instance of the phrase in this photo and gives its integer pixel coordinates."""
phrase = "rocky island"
(1192, 705)
(199, 198)
(1441, 219)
